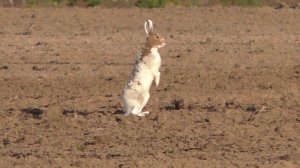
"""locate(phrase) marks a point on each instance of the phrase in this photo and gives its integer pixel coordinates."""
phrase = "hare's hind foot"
(136, 111)
(142, 114)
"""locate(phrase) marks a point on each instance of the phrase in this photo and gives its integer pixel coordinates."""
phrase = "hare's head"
(153, 40)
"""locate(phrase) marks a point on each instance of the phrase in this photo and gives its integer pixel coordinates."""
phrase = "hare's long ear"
(148, 26)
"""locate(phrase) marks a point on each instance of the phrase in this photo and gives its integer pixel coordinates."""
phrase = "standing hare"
(146, 69)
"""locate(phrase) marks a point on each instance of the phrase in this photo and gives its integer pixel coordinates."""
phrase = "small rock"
(250, 108)
(4, 67)
(26, 33)
(109, 78)
(36, 68)
(176, 104)
(35, 112)
(153, 117)
(228, 103)
(285, 157)
(118, 119)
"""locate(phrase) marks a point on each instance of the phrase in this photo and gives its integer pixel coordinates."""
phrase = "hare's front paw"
(157, 78)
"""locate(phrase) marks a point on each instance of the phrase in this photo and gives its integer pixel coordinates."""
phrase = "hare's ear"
(148, 26)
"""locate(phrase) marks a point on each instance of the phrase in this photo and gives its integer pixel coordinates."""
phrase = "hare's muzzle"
(163, 41)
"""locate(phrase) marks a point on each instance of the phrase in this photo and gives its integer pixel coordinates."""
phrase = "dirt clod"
(34, 112)
(4, 67)
(250, 108)
(177, 103)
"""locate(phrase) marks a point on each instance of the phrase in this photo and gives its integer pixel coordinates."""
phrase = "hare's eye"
(156, 37)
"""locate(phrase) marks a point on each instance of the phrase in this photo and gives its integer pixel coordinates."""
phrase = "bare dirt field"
(229, 94)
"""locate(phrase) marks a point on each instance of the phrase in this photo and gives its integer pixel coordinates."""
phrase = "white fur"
(148, 26)
(136, 92)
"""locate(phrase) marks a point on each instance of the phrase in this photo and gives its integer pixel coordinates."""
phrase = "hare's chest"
(155, 60)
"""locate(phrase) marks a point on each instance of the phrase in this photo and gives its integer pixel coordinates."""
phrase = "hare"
(136, 94)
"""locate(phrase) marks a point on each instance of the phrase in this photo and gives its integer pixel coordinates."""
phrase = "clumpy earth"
(229, 94)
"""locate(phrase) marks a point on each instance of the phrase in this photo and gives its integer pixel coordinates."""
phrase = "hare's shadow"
(118, 111)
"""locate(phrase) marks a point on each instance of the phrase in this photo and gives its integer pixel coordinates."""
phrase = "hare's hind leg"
(132, 108)
(137, 107)
(136, 111)
(144, 102)
(128, 111)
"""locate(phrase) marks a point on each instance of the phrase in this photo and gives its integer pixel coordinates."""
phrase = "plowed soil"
(229, 94)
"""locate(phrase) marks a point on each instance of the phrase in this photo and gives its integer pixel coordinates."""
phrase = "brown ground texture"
(229, 94)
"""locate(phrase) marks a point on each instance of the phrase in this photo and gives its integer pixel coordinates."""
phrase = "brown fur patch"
(153, 40)
(145, 51)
